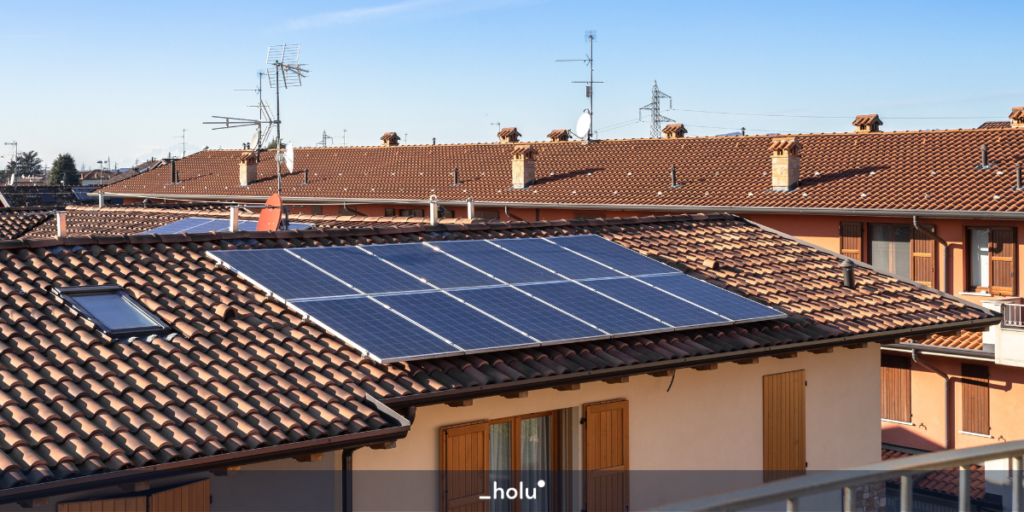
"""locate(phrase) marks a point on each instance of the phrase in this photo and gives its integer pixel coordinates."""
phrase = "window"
(586, 216)
(410, 213)
(991, 260)
(389, 212)
(318, 210)
(487, 214)
(112, 310)
(974, 399)
(896, 388)
(479, 458)
(905, 251)
(851, 239)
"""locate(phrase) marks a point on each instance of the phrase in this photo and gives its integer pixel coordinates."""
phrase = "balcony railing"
(1013, 316)
(904, 468)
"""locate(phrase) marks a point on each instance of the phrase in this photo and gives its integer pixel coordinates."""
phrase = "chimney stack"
(524, 166)
(558, 135)
(246, 169)
(509, 134)
(785, 163)
(470, 208)
(674, 131)
(849, 280)
(867, 123)
(62, 224)
(390, 139)
(1017, 117)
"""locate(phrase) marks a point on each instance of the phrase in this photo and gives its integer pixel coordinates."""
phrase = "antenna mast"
(182, 143)
(323, 142)
(589, 62)
(655, 108)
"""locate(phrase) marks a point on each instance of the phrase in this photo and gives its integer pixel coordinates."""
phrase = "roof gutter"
(215, 462)
(738, 210)
(439, 397)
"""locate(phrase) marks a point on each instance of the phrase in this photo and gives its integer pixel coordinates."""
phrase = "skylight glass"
(112, 310)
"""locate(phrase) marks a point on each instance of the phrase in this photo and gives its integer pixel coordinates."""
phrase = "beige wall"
(710, 420)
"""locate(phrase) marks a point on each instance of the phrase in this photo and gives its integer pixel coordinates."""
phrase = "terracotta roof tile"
(946, 481)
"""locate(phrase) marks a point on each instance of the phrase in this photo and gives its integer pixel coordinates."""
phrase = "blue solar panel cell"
(725, 303)
(527, 314)
(555, 258)
(363, 271)
(189, 225)
(435, 267)
(376, 329)
(595, 309)
(497, 262)
(656, 303)
(456, 322)
(283, 274)
(612, 254)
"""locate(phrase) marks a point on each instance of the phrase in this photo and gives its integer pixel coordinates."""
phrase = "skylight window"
(112, 310)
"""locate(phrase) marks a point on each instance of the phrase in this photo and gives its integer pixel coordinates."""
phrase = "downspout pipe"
(509, 215)
(945, 249)
(346, 480)
(945, 394)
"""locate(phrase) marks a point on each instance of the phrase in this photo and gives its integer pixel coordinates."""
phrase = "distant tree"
(27, 163)
(63, 171)
(274, 144)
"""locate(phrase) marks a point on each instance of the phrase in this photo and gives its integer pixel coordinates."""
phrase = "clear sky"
(122, 79)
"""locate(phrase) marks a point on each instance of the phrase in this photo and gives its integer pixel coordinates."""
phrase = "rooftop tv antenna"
(266, 117)
(323, 142)
(588, 61)
(287, 73)
(182, 142)
(655, 109)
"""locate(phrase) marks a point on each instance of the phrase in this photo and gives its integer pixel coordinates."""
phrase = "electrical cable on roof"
(814, 117)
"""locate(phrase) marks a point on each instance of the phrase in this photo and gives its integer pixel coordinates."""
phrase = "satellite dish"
(289, 156)
(255, 140)
(270, 217)
(583, 125)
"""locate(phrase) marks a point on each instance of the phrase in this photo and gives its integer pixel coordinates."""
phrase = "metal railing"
(1013, 316)
(790, 491)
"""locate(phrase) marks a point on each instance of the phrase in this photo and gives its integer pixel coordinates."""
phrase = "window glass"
(114, 311)
(890, 248)
(901, 251)
(501, 463)
(979, 257)
(535, 455)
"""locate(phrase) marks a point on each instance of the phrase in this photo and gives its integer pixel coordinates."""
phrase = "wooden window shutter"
(851, 240)
(785, 442)
(465, 460)
(1002, 258)
(606, 456)
(136, 504)
(974, 398)
(923, 259)
(896, 388)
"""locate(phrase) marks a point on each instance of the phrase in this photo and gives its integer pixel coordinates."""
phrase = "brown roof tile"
(946, 481)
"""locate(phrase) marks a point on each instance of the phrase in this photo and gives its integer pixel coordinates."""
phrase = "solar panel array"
(82, 193)
(202, 225)
(400, 302)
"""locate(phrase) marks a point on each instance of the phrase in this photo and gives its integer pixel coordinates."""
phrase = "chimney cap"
(867, 119)
(559, 135)
(847, 263)
(1017, 113)
(390, 136)
(790, 144)
(676, 129)
(525, 150)
(509, 133)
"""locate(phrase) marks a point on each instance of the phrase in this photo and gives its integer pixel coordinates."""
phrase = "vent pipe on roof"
(433, 210)
(233, 219)
(305, 176)
(849, 280)
(672, 175)
(1018, 182)
(984, 155)
(62, 224)
(174, 172)
(456, 174)
(470, 207)
(433, 141)
(1018, 185)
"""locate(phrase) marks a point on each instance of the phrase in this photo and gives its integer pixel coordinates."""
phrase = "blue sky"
(122, 79)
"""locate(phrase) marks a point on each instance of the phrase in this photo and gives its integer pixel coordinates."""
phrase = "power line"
(813, 117)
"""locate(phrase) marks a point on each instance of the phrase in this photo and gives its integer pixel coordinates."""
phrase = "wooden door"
(1002, 257)
(785, 442)
(851, 240)
(465, 459)
(606, 456)
(923, 256)
(136, 504)
(194, 497)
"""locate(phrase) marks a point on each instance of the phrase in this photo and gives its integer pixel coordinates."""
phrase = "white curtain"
(501, 463)
(535, 460)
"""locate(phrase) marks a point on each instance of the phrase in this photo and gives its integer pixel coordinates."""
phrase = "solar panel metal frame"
(467, 291)
(563, 242)
(595, 284)
(277, 294)
(528, 288)
(320, 264)
(539, 243)
(451, 249)
(436, 265)
(699, 282)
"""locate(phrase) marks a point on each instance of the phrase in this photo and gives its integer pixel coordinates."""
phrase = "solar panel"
(47, 198)
(283, 274)
(555, 258)
(203, 225)
(434, 266)
(456, 322)
(527, 314)
(376, 329)
(497, 262)
(723, 302)
(363, 271)
(83, 193)
(612, 254)
(602, 312)
(656, 303)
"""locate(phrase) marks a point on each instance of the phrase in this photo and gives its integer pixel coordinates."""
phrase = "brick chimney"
(674, 131)
(390, 139)
(785, 163)
(866, 124)
(1017, 117)
(247, 168)
(524, 166)
(558, 135)
(509, 134)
